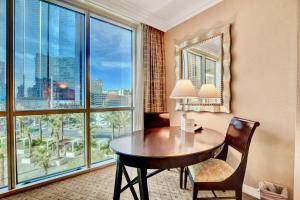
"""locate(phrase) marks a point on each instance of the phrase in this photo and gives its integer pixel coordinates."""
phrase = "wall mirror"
(205, 60)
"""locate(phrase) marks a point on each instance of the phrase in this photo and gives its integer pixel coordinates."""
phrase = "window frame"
(133, 59)
(10, 113)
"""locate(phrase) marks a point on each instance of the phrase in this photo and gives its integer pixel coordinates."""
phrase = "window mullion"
(9, 96)
(87, 89)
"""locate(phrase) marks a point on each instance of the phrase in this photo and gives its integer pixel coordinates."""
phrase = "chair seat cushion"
(211, 170)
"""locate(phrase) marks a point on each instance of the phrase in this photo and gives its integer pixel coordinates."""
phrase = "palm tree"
(41, 119)
(55, 126)
(118, 119)
(41, 158)
(27, 131)
(40, 127)
(2, 153)
(21, 126)
(62, 127)
(110, 119)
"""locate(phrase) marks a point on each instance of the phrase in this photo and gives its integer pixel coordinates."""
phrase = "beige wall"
(297, 133)
(264, 66)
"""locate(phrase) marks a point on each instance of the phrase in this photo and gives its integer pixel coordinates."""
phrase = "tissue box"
(187, 125)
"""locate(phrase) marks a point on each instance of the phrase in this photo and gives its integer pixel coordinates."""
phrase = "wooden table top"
(167, 142)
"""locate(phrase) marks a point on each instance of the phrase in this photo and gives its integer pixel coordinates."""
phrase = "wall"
(297, 133)
(264, 79)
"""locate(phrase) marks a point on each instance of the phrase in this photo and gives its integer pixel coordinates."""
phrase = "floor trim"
(251, 191)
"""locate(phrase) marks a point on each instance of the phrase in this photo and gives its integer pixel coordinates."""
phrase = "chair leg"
(238, 194)
(185, 178)
(195, 193)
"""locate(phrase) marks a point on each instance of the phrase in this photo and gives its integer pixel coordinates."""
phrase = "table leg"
(181, 177)
(129, 183)
(118, 180)
(142, 177)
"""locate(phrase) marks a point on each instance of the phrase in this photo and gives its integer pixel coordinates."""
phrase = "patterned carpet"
(99, 185)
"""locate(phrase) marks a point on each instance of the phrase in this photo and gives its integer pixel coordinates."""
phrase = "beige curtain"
(154, 70)
(138, 117)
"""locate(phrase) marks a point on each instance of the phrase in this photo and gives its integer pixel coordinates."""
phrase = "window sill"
(22, 188)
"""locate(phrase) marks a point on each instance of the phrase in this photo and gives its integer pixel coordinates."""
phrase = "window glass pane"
(210, 71)
(48, 144)
(48, 57)
(2, 55)
(111, 64)
(194, 65)
(3, 153)
(104, 127)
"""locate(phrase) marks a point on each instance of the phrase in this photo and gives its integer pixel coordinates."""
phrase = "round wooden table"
(160, 148)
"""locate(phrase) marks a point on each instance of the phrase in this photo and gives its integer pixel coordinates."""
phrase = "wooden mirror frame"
(224, 106)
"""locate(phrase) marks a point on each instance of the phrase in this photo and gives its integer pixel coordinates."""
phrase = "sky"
(110, 54)
(2, 32)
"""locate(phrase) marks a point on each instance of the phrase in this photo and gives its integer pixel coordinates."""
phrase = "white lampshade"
(208, 91)
(184, 89)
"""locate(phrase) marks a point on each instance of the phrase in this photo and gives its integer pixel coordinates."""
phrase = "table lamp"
(208, 91)
(184, 89)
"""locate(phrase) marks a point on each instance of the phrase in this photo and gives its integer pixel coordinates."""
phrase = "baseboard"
(251, 191)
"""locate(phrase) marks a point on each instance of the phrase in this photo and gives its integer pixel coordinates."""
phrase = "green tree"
(28, 131)
(111, 120)
(2, 154)
(41, 119)
(41, 158)
(55, 124)
(118, 120)
(124, 119)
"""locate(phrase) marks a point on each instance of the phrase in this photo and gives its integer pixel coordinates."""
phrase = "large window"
(50, 110)
(49, 56)
(49, 60)
(111, 77)
(3, 138)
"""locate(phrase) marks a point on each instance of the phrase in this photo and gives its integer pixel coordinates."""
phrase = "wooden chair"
(155, 120)
(215, 173)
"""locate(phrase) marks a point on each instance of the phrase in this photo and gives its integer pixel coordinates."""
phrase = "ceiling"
(161, 14)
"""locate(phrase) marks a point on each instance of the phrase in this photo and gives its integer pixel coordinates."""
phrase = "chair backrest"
(239, 134)
(155, 120)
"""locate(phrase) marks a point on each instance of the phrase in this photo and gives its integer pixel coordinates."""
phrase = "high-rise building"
(97, 96)
(96, 86)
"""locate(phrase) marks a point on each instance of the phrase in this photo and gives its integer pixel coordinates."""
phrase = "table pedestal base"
(141, 179)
